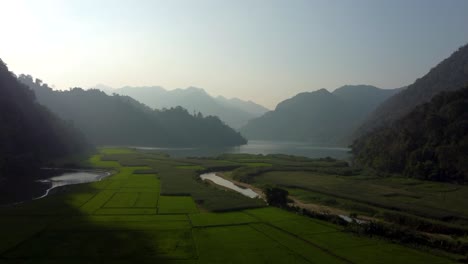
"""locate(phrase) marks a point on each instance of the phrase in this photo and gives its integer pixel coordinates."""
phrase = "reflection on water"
(71, 178)
(43, 182)
(225, 183)
(261, 147)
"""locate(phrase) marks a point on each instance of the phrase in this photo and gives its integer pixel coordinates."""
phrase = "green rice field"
(169, 216)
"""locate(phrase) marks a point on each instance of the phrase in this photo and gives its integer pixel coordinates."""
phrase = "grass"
(241, 244)
(426, 199)
(176, 205)
(257, 164)
(129, 218)
(190, 167)
(220, 219)
(122, 199)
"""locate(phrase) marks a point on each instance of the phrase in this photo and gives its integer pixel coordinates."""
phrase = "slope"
(121, 120)
(431, 142)
(450, 74)
(30, 135)
(319, 117)
(234, 113)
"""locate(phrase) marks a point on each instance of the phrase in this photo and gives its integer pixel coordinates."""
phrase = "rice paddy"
(169, 216)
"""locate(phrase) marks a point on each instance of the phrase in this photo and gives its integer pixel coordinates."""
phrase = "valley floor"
(156, 210)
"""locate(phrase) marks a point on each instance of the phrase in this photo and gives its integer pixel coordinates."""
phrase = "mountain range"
(449, 75)
(422, 131)
(122, 120)
(319, 117)
(31, 136)
(234, 112)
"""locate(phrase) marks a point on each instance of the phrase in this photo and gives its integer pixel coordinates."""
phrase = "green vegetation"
(176, 205)
(276, 196)
(448, 75)
(30, 135)
(402, 209)
(440, 201)
(121, 120)
(321, 117)
(127, 218)
(234, 112)
(191, 167)
(431, 142)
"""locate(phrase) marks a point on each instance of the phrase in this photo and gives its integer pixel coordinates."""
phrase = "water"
(13, 192)
(352, 219)
(225, 183)
(71, 178)
(261, 147)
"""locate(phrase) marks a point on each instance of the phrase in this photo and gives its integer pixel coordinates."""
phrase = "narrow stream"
(211, 176)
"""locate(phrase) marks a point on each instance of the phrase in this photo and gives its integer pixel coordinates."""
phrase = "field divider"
(281, 244)
(33, 235)
(227, 225)
(305, 240)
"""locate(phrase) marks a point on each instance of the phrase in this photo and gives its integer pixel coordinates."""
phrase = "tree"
(276, 196)
(431, 142)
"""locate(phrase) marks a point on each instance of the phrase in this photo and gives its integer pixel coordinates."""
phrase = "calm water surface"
(71, 178)
(262, 147)
(13, 192)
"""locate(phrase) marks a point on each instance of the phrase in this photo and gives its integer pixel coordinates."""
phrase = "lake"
(261, 147)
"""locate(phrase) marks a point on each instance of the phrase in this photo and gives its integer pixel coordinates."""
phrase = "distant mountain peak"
(322, 90)
(354, 87)
(233, 112)
(194, 89)
(318, 116)
(102, 87)
(449, 75)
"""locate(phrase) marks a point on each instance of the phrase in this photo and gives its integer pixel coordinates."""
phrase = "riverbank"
(148, 212)
(45, 182)
(296, 202)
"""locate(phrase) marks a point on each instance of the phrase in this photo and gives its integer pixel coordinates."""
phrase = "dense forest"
(431, 142)
(319, 117)
(234, 112)
(449, 75)
(121, 120)
(30, 135)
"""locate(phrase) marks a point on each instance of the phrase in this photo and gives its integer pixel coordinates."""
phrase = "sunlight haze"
(264, 51)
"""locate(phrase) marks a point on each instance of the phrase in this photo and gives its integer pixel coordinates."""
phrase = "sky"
(260, 50)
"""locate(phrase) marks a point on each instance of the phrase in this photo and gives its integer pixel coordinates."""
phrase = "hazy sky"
(265, 51)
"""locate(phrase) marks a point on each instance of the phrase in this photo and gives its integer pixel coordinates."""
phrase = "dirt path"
(297, 202)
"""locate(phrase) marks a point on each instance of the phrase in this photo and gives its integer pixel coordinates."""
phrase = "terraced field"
(162, 217)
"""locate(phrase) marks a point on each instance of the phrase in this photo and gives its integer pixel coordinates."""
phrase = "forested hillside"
(121, 120)
(431, 142)
(234, 112)
(30, 135)
(319, 117)
(450, 74)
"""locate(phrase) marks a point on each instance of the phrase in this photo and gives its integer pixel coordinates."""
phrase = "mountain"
(121, 120)
(234, 112)
(319, 117)
(430, 142)
(450, 74)
(30, 135)
(247, 106)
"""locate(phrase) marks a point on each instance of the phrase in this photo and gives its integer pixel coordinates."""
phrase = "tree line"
(431, 142)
